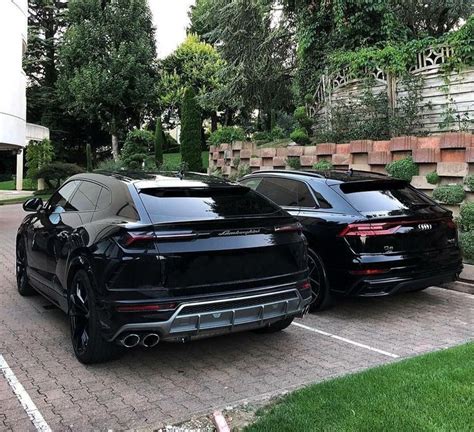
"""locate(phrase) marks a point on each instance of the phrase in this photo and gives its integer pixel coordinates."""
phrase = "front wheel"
(321, 297)
(87, 341)
(22, 283)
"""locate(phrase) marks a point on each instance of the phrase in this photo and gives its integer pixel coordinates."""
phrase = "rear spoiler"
(368, 185)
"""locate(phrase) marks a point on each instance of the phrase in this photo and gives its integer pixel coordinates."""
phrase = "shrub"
(191, 131)
(469, 182)
(302, 118)
(38, 154)
(403, 169)
(89, 157)
(227, 134)
(466, 217)
(262, 136)
(300, 136)
(55, 172)
(293, 162)
(466, 240)
(278, 133)
(159, 142)
(323, 165)
(243, 170)
(137, 147)
(432, 178)
(109, 165)
(236, 162)
(449, 194)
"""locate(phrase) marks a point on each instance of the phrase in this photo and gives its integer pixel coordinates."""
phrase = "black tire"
(322, 297)
(22, 283)
(87, 341)
(277, 326)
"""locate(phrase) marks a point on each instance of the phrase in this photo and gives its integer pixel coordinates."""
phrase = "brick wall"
(450, 154)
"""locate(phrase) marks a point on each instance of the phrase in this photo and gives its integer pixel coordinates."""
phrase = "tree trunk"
(115, 147)
(213, 121)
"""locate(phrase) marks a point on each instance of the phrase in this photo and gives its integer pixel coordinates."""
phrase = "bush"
(300, 136)
(138, 145)
(432, 178)
(227, 134)
(160, 142)
(262, 137)
(323, 165)
(38, 154)
(55, 172)
(403, 169)
(293, 162)
(109, 165)
(466, 217)
(466, 240)
(449, 194)
(302, 118)
(469, 182)
(278, 133)
(243, 170)
(191, 131)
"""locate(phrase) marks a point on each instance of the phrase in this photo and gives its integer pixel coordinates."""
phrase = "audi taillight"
(369, 229)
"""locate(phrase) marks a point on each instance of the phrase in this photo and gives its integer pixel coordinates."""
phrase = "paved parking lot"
(172, 382)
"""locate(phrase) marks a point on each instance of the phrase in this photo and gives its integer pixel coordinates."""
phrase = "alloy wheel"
(79, 315)
(314, 277)
(20, 264)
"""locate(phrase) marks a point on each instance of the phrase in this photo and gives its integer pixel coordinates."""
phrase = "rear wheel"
(87, 341)
(322, 298)
(22, 283)
(277, 326)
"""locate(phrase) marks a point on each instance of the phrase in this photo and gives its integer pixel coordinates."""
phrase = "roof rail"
(304, 172)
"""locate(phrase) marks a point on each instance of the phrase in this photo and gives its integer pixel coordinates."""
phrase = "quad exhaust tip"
(131, 340)
(150, 340)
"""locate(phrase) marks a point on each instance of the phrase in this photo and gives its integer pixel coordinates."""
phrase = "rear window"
(170, 205)
(388, 197)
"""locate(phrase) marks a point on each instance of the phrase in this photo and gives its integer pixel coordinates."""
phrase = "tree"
(38, 154)
(89, 157)
(108, 65)
(159, 142)
(191, 132)
(257, 47)
(138, 145)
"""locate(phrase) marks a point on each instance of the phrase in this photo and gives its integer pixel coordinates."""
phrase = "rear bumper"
(226, 315)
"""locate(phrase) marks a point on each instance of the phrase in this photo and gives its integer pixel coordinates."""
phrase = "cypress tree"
(159, 142)
(89, 157)
(191, 132)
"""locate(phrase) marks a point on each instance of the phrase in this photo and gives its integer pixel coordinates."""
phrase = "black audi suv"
(368, 234)
(138, 258)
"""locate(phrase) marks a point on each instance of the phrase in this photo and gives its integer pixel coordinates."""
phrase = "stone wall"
(451, 155)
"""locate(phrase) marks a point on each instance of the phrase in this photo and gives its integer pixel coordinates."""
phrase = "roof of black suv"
(333, 175)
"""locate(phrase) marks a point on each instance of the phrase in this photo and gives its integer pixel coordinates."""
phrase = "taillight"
(368, 272)
(450, 223)
(142, 239)
(293, 227)
(147, 308)
(369, 229)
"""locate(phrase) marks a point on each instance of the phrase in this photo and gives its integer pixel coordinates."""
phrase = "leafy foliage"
(449, 194)
(300, 136)
(108, 66)
(403, 169)
(191, 131)
(88, 157)
(138, 146)
(159, 142)
(38, 154)
(466, 240)
(323, 165)
(469, 182)
(293, 162)
(55, 172)
(301, 116)
(227, 134)
(466, 217)
(432, 178)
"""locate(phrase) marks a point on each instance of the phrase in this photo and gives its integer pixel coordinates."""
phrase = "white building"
(15, 133)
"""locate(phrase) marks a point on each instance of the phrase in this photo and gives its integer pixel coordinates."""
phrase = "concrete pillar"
(19, 170)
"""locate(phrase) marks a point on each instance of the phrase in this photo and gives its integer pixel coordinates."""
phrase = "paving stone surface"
(147, 389)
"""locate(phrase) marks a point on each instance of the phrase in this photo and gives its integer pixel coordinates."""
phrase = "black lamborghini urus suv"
(368, 234)
(138, 258)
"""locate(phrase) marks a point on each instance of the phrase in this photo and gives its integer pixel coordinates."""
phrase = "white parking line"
(25, 400)
(345, 340)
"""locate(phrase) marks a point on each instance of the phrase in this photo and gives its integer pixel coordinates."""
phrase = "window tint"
(85, 198)
(105, 198)
(169, 205)
(285, 192)
(252, 183)
(63, 196)
(389, 197)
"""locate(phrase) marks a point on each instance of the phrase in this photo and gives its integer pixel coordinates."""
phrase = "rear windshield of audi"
(389, 197)
(174, 204)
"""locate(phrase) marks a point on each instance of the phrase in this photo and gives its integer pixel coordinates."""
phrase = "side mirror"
(33, 204)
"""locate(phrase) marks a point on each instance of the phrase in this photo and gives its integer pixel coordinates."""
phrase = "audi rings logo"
(425, 226)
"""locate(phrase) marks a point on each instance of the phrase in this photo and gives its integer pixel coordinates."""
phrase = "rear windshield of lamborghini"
(173, 204)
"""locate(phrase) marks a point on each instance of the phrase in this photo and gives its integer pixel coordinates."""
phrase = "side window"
(322, 202)
(62, 197)
(85, 198)
(105, 198)
(305, 199)
(252, 183)
(283, 192)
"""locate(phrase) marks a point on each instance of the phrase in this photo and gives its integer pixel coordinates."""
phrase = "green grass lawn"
(21, 200)
(11, 185)
(175, 158)
(434, 392)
